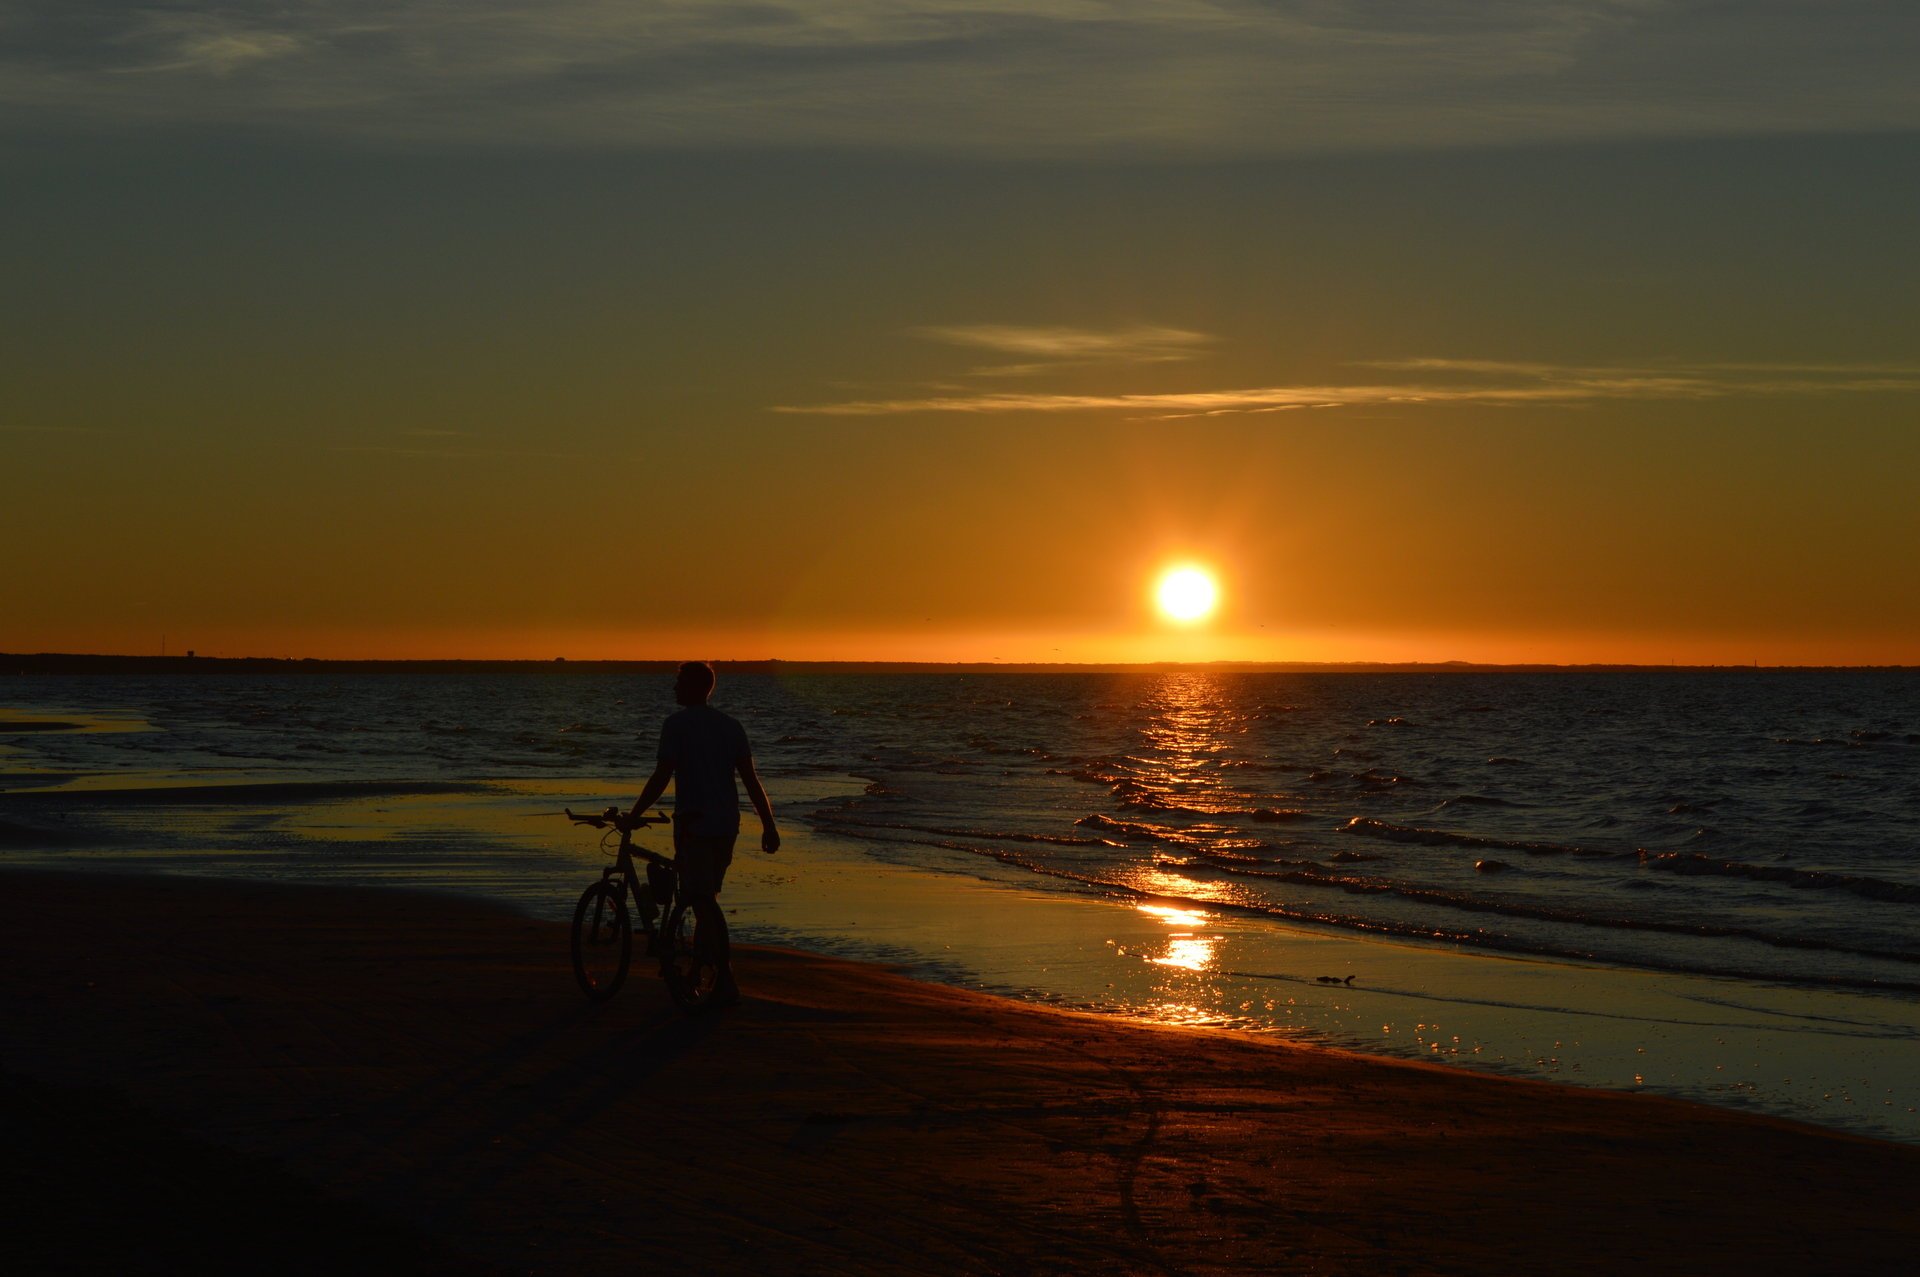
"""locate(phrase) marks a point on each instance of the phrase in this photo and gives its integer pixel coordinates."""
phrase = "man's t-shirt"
(703, 746)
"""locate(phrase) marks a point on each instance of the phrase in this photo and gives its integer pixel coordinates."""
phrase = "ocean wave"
(1143, 800)
(1876, 736)
(1374, 778)
(1126, 828)
(1373, 827)
(1512, 908)
(1199, 837)
(1828, 812)
(987, 745)
(1228, 856)
(842, 823)
(1474, 936)
(1693, 862)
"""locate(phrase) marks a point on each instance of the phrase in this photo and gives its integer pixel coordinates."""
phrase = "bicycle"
(603, 929)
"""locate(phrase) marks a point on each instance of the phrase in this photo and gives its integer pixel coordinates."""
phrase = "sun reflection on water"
(1157, 880)
(1191, 731)
(1186, 950)
(1175, 917)
(1190, 953)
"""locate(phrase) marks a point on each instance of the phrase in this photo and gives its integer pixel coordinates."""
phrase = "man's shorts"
(702, 860)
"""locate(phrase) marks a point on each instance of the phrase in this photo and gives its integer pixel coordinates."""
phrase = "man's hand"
(769, 840)
(656, 786)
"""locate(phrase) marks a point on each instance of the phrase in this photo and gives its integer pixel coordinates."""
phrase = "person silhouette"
(701, 749)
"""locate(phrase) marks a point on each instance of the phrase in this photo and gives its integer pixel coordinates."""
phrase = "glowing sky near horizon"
(1570, 331)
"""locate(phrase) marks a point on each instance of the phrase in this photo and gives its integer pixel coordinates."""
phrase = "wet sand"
(249, 1076)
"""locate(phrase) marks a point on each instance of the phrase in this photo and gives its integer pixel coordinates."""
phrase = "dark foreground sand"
(221, 1077)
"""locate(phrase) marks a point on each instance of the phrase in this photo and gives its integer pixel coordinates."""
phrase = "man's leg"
(703, 865)
(710, 938)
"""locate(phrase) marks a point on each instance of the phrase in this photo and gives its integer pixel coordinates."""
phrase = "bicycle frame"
(662, 908)
(631, 884)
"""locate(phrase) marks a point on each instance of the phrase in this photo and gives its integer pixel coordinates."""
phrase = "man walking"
(700, 750)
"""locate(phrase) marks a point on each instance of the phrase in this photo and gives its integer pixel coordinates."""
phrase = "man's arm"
(757, 793)
(656, 786)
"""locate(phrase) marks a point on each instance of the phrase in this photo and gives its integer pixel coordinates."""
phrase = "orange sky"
(1407, 542)
(1607, 396)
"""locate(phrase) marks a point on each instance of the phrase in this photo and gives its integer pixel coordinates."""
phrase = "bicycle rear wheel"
(602, 941)
(692, 979)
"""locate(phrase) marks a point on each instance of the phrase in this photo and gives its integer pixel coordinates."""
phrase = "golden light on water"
(1185, 950)
(1173, 916)
(1189, 953)
(1187, 594)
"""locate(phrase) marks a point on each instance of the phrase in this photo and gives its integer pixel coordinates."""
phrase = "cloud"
(1140, 342)
(1482, 381)
(204, 42)
(1507, 367)
(997, 77)
(1056, 348)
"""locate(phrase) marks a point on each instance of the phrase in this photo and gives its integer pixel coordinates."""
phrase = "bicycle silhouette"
(603, 921)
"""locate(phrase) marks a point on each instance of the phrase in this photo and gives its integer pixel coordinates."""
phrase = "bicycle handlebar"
(611, 816)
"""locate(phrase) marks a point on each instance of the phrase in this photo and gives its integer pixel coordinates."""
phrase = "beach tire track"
(1068, 1239)
(1130, 1159)
(1136, 1156)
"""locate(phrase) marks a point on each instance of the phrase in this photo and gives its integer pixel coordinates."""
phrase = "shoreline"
(1831, 1057)
(426, 1057)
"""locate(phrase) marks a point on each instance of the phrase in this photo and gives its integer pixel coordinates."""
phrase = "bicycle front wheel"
(692, 979)
(602, 941)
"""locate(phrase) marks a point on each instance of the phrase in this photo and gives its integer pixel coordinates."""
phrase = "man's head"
(694, 684)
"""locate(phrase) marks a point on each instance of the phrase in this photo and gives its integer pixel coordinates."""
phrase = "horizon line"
(10, 660)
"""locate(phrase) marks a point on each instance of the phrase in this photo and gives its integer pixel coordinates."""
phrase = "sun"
(1187, 594)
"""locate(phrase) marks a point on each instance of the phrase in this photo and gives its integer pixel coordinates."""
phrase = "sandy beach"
(357, 1075)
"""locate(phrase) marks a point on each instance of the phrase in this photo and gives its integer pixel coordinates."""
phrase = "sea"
(1703, 884)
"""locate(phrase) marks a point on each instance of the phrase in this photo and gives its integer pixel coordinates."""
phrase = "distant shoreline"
(101, 663)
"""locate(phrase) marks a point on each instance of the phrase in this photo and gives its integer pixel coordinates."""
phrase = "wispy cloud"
(1562, 372)
(1482, 381)
(994, 76)
(1051, 348)
(207, 42)
(1143, 341)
